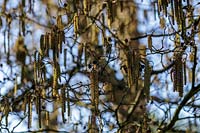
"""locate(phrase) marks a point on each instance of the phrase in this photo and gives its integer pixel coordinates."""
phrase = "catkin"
(85, 7)
(15, 87)
(55, 82)
(47, 118)
(63, 103)
(184, 71)
(178, 75)
(149, 39)
(59, 22)
(65, 58)
(29, 112)
(147, 79)
(35, 68)
(68, 103)
(172, 8)
(42, 44)
(94, 89)
(39, 111)
(76, 24)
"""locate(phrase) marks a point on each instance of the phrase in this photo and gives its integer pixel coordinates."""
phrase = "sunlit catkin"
(85, 7)
(47, 118)
(15, 87)
(76, 24)
(55, 81)
(59, 22)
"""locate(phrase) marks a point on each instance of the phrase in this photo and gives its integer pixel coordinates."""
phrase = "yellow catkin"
(47, 118)
(59, 22)
(15, 87)
(76, 24)
(162, 23)
(85, 7)
(55, 81)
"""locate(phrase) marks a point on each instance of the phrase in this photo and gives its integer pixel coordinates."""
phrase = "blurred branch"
(162, 70)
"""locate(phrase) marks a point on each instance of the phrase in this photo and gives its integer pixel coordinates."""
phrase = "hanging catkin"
(35, 68)
(172, 8)
(42, 45)
(76, 24)
(63, 103)
(29, 111)
(85, 7)
(39, 110)
(178, 75)
(94, 88)
(184, 71)
(68, 103)
(147, 79)
(149, 39)
(133, 60)
(65, 58)
(47, 118)
(55, 80)
(15, 87)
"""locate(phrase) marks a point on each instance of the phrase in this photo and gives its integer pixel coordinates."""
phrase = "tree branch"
(191, 93)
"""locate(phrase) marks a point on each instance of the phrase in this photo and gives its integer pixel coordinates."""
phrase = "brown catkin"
(63, 103)
(65, 58)
(147, 79)
(29, 111)
(94, 88)
(149, 39)
(42, 44)
(178, 75)
(68, 103)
